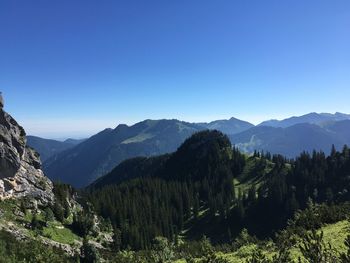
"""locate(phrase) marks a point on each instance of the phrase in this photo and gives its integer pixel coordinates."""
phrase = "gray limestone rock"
(20, 166)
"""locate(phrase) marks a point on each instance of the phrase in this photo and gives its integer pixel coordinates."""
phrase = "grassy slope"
(248, 177)
(57, 232)
(334, 234)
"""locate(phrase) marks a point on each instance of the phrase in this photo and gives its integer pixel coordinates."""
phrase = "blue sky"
(72, 68)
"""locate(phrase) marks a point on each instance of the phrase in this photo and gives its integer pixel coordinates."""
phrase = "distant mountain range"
(293, 140)
(313, 118)
(48, 147)
(83, 163)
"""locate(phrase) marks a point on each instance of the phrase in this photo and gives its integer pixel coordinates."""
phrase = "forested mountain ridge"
(222, 192)
(176, 186)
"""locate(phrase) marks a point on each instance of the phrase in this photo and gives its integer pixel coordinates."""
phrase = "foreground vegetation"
(299, 242)
(296, 243)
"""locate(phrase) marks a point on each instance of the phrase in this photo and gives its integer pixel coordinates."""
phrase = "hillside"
(224, 196)
(340, 129)
(230, 126)
(207, 187)
(99, 154)
(47, 148)
(187, 163)
(246, 247)
(311, 118)
(293, 140)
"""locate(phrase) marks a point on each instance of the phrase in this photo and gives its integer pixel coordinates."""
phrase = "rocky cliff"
(20, 166)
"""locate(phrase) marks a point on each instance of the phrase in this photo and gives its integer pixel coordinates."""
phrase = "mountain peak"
(121, 126)
(230, 126)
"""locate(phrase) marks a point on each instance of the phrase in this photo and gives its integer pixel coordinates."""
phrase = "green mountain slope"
(293, 140)
(99, 154)
(230, 126)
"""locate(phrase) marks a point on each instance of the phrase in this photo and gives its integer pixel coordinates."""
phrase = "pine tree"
(315, 250)
(89, 253)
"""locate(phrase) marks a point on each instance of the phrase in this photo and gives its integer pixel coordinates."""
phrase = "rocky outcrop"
(20, 166)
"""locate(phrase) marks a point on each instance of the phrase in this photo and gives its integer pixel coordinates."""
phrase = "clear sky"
(72, 68)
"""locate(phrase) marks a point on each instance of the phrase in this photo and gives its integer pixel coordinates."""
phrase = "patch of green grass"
(55, 230)
(59, 233)
(139, 138)
(252, 174)
(241, 254)
(334, 234)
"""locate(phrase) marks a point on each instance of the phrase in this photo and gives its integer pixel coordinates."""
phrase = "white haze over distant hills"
(61, 129)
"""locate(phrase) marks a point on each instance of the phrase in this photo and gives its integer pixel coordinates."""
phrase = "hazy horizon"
(81, 134)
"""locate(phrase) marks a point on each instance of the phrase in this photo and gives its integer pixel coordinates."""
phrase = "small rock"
(19, 213)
